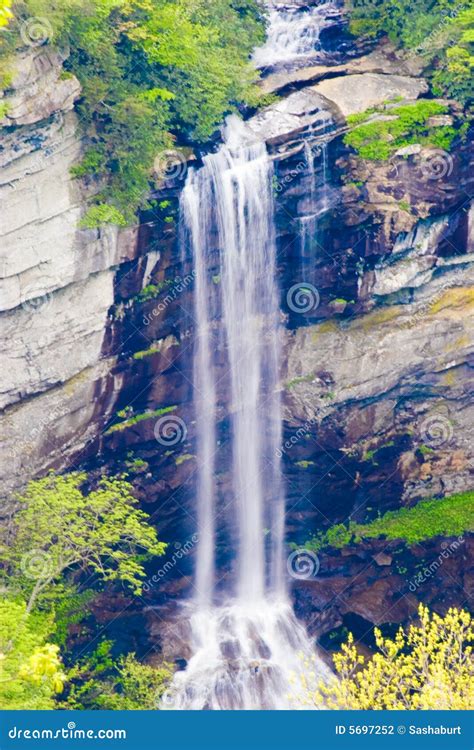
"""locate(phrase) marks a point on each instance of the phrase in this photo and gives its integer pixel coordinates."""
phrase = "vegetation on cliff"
(449, 516)
(428, 667)
(379, 133)
(154, 73)
(66, 529)
(441, 31)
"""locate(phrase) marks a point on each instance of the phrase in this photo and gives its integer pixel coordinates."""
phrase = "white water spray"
(245, 647)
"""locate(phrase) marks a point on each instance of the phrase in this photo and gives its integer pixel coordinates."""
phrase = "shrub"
(428, 667)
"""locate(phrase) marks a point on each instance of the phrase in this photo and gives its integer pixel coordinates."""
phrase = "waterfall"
(293, 33)
(245, 639)
(232, 195)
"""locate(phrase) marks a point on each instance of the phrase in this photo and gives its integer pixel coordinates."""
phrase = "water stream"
(245, 644)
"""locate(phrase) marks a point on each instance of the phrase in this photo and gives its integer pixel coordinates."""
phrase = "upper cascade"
(293, 34)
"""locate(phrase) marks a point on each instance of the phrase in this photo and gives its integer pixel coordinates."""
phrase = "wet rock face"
(382, 584)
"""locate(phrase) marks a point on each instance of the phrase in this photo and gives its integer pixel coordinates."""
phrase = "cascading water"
(293, 33)
(244, 646)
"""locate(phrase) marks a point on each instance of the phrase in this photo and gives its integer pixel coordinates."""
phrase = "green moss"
(144, 353)
(296, 381)
(138, 418)
(425, 450)
(152, 291)
(450, 516)
(378, 140)
(136, 465)
(100, 215)
(184, 457)
(369, 455)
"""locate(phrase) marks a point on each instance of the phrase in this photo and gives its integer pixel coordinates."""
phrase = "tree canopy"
(62, 526)
(428, 667)
(154, 74)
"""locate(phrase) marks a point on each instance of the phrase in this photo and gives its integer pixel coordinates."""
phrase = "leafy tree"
(441, 31)
(152, 72)
(61, 526)
(100, 682)
(31, 672)
(428, 667)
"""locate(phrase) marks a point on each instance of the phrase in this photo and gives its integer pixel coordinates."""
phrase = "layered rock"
(56, 281)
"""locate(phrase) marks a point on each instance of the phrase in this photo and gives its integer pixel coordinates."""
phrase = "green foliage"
(100, 682)
(101, 214)
(425, 450)
(183, 458)
(296, 381)
(30, 669)
(450, 516)
(152, 291)
(151, 71)
(62, 527)
(144, 353)
(139, 418)
(379, 139)
(441, 31)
